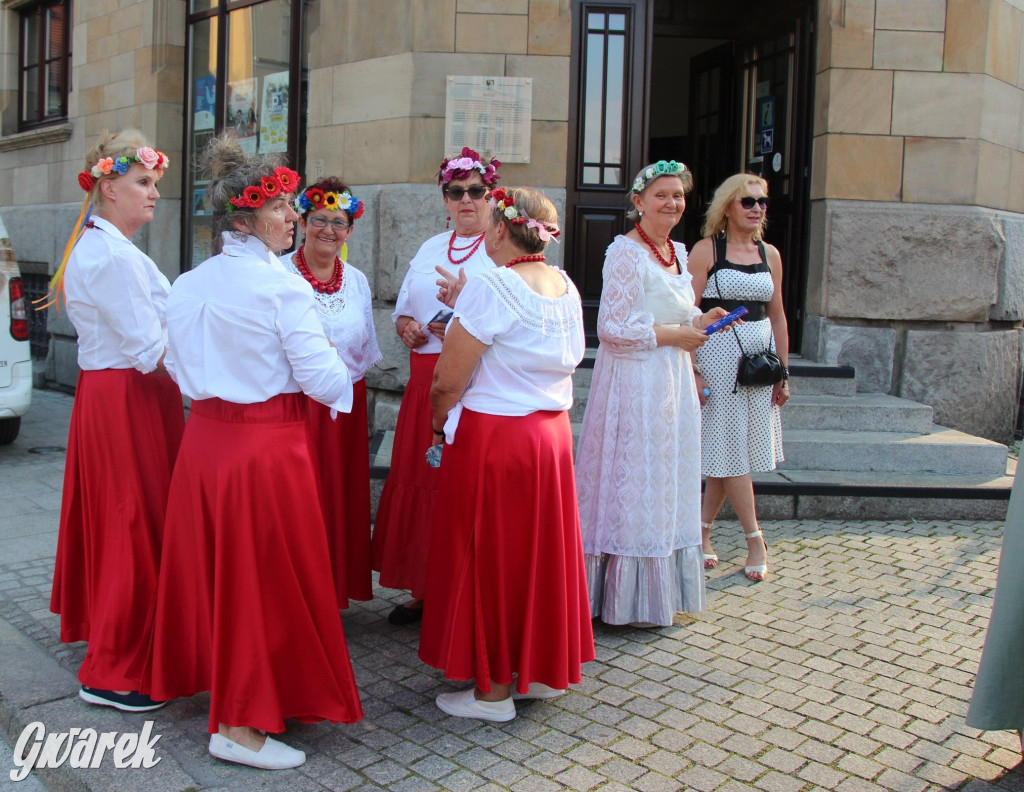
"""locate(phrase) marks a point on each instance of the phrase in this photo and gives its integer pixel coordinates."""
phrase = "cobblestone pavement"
(850, 669)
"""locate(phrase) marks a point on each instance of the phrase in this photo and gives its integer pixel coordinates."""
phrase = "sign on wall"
(489, 114)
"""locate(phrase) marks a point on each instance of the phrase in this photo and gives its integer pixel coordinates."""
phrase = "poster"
(489, 114)
(206, 100)
(274, 113)
(241, 113)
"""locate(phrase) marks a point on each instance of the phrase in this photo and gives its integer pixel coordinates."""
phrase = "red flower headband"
(283, 181)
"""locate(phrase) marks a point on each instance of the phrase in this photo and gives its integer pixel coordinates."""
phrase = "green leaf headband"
(652, 172)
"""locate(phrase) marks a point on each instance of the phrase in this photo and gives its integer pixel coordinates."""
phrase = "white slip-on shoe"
(538, 690)
(464, 704)
(273, 755)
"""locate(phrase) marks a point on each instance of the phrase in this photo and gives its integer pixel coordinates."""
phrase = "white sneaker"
(273, 755)
(464, 704)
(538, 690)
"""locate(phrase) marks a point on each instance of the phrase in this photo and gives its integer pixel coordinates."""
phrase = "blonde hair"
(733, 188)
(111, 144)
(231, 171)
(534, 204)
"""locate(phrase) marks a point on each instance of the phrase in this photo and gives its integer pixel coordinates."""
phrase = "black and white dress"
(741, 432)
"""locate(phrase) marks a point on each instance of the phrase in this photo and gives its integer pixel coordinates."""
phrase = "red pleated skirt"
(122, 441)
(401, 532)
(246, 606)
(507, 588)
(341, 455)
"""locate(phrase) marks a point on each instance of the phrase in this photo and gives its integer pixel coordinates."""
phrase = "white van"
(15, 356)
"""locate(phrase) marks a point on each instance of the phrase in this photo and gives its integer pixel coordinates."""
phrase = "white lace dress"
(638, 462)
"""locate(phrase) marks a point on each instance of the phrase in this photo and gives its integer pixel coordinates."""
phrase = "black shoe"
(402, 615)
(126, 702)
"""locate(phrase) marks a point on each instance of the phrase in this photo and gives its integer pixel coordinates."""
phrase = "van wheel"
(9, 428)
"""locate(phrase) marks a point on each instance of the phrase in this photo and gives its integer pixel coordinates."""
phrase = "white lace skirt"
(627, 589)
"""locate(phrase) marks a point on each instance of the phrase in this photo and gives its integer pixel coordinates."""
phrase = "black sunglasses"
(748, 201)
(476, 192)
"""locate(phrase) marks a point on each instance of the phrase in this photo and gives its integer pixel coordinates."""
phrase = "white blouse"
(534, 345)
(116, 299)
(418, 296)
(347, 318)
(244, 329)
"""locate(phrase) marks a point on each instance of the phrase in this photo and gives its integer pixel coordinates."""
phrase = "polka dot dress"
(741, 432)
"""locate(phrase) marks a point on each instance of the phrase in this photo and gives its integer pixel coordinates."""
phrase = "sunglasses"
(476, 192)
(323, 222)
(748, 201)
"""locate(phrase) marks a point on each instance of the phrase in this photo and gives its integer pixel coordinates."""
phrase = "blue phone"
(725, 321)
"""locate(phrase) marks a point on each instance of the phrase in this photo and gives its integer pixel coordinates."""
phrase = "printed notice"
(489, 114)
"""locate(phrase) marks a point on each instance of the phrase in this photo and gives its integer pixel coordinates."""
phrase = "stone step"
(942, 450)
(859, 412)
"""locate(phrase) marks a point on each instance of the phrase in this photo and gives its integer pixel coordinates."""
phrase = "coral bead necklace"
(324, 287)
(471, 247)
(654, 248)
(524, 259)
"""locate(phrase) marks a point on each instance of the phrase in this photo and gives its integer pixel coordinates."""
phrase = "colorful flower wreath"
(659, 168)
(462, 166)
(147, 157)
(501, 200)
(315, 198)
(283, 181)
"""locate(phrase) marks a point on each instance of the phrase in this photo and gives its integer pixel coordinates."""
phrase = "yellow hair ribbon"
(57, 281)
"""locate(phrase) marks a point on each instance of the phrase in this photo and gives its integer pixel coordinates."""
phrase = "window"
(44, 59)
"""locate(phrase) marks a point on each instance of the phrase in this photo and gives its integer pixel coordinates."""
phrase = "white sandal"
(759, 569)
(710, 559)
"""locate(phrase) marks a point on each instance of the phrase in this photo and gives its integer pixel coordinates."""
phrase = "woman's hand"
(448, 286)
(413, 335)
(437, 329)
(689, 339)
(701, 387)
(713, 315)
(780, 392)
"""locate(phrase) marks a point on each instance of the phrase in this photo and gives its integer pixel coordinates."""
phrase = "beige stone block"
(131, 116)
(128, 16)
(906, 15)
(859, 101)
(993, 188)
(321, 97)
(910, 50)
(549, 142)
(427, 149)
(863, 167)
(926, 104)
(30, 184)
(119, 94)
(90, 100)
(819, 155)
(822, 87)
(940, 171)
(550, 77)
(326, 143)
(327, 35)
(852, 24)
(375, 29)
(550, 28)
(429, 73)
(491, 33)
(377, 152)
(1015, 198)
(823, 45)
(63, 186)
(171, 78)
(966, 28)
(97, 27)
(1004, 42)
(1001, 112)
(128, 40)
(493, 6)
(433, 24)
(372, 89)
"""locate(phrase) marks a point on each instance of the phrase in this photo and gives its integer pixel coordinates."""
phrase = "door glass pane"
(613, 102)
(595, 22)
(612, 176)
(617, 22)
(604, 95)
(593, 94)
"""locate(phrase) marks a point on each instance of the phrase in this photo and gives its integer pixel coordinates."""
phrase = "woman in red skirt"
(401, 532)
(507, 602)
(246, 606)
(341, 447)
(126, 425)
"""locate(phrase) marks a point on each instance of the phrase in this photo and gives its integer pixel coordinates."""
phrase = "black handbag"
(754, 369)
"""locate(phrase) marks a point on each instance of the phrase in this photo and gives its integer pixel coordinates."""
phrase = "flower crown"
(462, 166)
(499, 199)
(652, 172)
(315, 198)
(145, 156)
(281, 182)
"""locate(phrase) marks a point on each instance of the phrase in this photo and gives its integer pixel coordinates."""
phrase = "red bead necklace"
(324, 287)
(471, 247)
(523, 259)
(657, 252)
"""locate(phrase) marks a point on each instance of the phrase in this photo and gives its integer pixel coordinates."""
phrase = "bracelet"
(696, 321)
(436, 431)
(697, 370)
(785, 372)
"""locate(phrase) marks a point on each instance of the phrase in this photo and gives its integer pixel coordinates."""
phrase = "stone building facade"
(908, 179)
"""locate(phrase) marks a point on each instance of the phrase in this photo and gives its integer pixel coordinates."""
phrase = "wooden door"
(608, 122)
